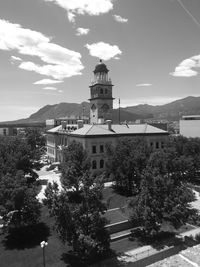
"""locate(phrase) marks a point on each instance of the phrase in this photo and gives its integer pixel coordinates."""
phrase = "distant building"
(8, 131)
(190, 126)
(95, 136)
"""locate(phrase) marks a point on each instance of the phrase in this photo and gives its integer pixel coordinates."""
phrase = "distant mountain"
(171, 111)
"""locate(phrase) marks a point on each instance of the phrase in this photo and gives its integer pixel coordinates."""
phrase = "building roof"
(59, 129)
(117, 129)
(101, 67)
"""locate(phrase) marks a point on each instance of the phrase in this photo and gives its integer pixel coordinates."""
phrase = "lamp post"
(43, 244)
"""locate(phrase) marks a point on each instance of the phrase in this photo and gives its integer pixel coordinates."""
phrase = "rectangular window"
(94, 150)
(162, 144)
(101, 149)
(157, 145)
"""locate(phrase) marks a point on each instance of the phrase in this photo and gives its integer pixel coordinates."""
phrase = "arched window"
(94, 164)
(101, 164)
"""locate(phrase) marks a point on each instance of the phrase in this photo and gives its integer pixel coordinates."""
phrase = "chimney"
(64, 125)
(109, 122)
(80, 124)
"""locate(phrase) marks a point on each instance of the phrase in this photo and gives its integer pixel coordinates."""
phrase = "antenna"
(119, 111)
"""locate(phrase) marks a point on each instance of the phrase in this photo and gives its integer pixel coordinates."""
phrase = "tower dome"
(101, 67)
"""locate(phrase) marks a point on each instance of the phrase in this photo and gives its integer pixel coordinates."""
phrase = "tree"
(75, 164)
(18, 203)
(80, 223)
(161, 198)
(36, 140)
(15, 155)
(126, 162)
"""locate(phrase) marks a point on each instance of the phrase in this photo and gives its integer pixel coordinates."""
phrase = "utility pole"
(83, 112)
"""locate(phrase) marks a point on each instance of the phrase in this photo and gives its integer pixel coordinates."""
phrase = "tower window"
(106, 91)
(94, 149)
(94, 164)
(101, 164)
(101, 91)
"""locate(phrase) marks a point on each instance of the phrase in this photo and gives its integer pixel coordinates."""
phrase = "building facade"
(100, 132)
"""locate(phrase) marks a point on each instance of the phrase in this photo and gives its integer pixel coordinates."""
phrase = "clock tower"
(101, 100)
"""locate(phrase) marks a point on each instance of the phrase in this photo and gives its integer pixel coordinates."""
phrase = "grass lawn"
(118, 215)
(113, 199)
(26, 251)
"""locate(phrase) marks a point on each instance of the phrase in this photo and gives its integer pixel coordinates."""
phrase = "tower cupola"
(101, 73)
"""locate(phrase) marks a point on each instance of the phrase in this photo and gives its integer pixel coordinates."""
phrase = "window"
(94, 150)
(101, 148)
(157, 144)
(94, 164)
(162, 144)
(101, 91)
(106, 91)
(101, 164)
(4, 131)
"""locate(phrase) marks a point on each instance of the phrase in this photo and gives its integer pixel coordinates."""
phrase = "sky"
(49, 49)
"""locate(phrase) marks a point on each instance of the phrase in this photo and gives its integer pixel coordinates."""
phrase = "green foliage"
(36, 140)
(75, 164)
(80, 223)
(18, 203)
(126, 163)
(161, 198)
(15, 154)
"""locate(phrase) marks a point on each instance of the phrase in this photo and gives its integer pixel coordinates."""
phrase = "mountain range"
(171, 111)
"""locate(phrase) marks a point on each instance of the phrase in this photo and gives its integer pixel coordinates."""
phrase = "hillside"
(171, 111)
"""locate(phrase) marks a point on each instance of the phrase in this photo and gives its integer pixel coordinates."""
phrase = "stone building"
(100, 131)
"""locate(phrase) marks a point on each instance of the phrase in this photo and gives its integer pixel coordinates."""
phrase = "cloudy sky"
(49, 48)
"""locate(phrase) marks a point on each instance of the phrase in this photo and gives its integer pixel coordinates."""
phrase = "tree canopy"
(75, 163)
(126, 162)
(18, 203)
(79, 221)
(161, 199)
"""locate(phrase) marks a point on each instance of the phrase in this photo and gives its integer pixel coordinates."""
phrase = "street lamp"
(43, 244)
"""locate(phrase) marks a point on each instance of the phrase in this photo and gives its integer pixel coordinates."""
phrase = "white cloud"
(13, 58)
(82, 7)
(143, 84)
(71, 17)
(50, 88)
(59, 62)
(120, 19)
(186, 67)
(47, 81)
(104, 50)
(82, 31)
